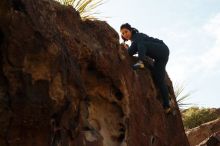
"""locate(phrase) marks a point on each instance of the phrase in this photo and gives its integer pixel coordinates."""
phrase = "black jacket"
(147, 46)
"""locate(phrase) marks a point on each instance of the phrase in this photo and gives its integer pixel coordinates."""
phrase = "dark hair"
(128, 26)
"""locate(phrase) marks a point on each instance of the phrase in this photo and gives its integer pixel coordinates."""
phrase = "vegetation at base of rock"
(86, 8)
(196, 116)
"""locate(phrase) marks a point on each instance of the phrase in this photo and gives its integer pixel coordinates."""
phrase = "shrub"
(195, 116)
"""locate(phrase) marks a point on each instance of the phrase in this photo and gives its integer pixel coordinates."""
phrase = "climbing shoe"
(138, 65)
(167, 110)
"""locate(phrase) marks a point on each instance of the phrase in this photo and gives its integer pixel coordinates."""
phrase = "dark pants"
(159, 72)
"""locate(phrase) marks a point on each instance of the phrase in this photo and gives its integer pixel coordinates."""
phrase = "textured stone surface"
(213, 140)
(68, 82)
(202, 132)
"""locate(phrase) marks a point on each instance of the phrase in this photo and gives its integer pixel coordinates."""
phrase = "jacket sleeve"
(132, 49)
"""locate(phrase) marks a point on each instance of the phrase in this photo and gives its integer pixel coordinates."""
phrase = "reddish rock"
(65, 81)
(213, 140)
(203, 132)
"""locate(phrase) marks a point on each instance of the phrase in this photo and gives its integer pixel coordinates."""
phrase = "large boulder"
(203, 132)
(213, 140)
(65, 81)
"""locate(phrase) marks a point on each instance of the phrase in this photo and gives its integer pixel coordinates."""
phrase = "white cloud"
(212, 57)
(195, 59)
(213, 25)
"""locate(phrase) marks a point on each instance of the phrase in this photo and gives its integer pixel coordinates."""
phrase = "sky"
(191, 30)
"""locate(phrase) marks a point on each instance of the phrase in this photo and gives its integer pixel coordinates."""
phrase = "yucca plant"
(86, 8)
(181, 96)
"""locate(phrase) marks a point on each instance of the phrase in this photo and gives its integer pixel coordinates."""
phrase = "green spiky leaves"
(86, 8)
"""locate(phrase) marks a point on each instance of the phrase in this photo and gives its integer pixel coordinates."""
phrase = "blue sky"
(190, 28)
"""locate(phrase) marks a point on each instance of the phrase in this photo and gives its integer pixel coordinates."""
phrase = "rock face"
(203, 132)
(65, 81)
(213, 140)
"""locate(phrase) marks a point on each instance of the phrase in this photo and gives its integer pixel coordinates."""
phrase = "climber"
(151, 47)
